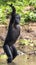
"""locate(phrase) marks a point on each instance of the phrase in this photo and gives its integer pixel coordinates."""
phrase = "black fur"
(12, 35)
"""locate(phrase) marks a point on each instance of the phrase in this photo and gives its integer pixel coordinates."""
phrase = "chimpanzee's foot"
(9, 60)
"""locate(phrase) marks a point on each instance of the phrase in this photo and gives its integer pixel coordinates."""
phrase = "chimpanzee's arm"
(13, 13)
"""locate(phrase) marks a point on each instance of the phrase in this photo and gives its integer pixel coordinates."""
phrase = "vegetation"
(20, 5)
(27, 11)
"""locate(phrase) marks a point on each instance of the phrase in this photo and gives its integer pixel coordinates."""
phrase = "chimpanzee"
(12, 35)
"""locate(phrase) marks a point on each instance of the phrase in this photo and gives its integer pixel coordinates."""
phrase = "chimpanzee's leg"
(14, 51)
(8, 52)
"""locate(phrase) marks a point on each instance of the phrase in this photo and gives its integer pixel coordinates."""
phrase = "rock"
(20, 52)
(21, 60)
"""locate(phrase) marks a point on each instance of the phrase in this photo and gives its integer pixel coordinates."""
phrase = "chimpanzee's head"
(17, 19)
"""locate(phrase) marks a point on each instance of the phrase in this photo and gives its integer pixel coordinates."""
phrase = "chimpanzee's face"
(17, 19)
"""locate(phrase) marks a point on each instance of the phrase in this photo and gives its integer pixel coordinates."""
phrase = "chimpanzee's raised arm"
(13, 8)
(13, 13)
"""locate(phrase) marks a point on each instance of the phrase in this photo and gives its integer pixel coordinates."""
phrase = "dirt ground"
(26, 32)
(29, 31)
